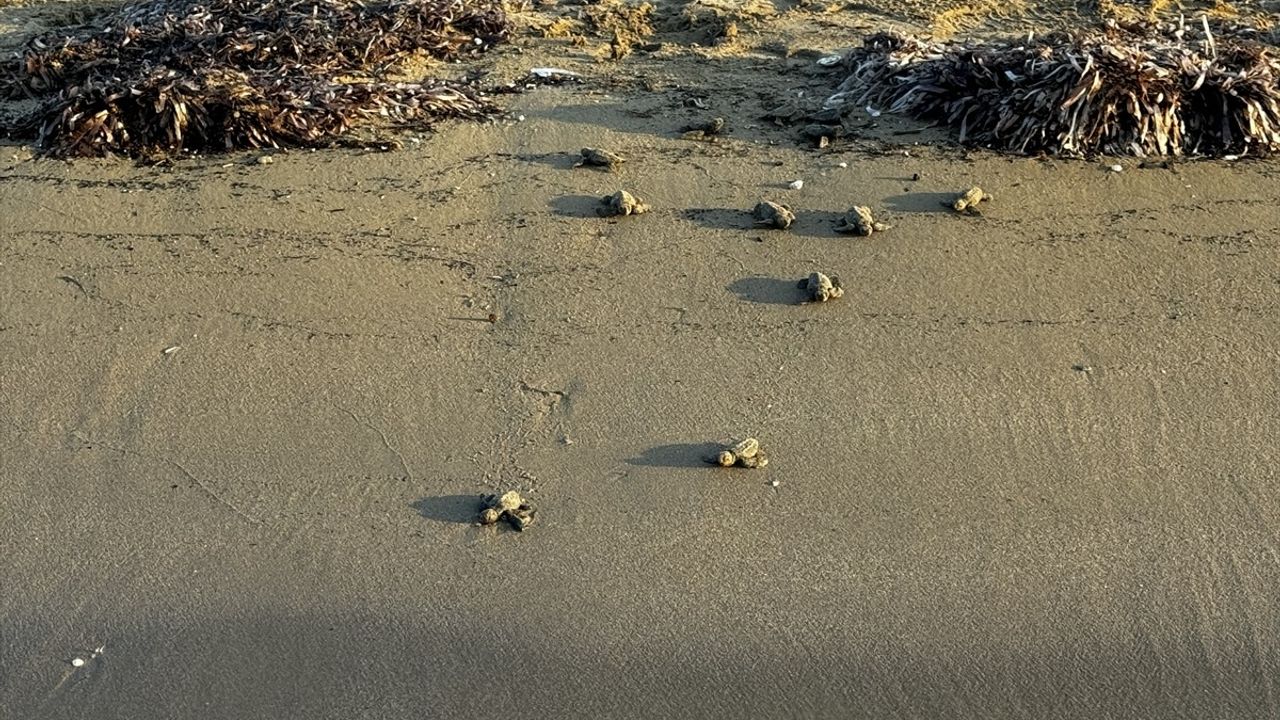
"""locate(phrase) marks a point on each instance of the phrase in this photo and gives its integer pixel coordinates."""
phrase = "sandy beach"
(1024, 468)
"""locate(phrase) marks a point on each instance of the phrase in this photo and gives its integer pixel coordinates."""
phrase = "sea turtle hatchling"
(859, 221)
(600, 158)
(968, 201)
(745, 453)
(709, 130)
(509, 506)
(622, 203)
(820, 287)
(771, 214)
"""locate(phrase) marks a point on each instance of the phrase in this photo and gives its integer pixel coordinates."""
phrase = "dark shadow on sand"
(577, 206)
(676, 455)
(722, 218)
(921, 202)
(558, 161)
(818, 223)
(767, 290)
(459, 509)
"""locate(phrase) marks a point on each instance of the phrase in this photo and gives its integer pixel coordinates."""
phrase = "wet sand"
(1025, 467)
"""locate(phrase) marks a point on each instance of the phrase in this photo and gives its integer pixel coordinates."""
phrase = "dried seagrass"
(1174, 89)
(169, 75)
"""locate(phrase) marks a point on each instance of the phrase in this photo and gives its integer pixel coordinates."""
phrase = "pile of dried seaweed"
(1170, 90)
(168, 75)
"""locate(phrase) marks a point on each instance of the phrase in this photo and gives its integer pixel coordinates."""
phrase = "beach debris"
(796, 184)
(509, 506)
(77, 662)
(821, 288)
(540, 76)
(622, 203)
(745, 453)
(717, 23)
(772, 214)
(830, 60)
(627, 24)
(708, 130)
(967, 201)
(1153, 88)
(1116, 168)
(550, 73)
(858, 221)
(163, 76)
(171, 349)
(596, 157)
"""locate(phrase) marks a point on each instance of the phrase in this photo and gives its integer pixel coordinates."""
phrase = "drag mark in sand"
(90, 443)
(404, 465)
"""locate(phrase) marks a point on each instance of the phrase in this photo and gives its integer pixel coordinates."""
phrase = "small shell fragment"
(796, 184)
(1116, 168)
(77, 662)
(774, 215)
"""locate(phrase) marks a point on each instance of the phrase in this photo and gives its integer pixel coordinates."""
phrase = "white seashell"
(796, 184)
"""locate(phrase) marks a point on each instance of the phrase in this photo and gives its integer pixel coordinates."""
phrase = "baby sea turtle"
(509, 506)
(622, 203)
(708, 130)
(968, 201)
(859, 222)
(771, 214)
(745, 453)
(600, 158)
(821, 135)
(821, 288)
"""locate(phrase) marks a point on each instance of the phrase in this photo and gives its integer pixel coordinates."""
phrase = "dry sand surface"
(1024, 468)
